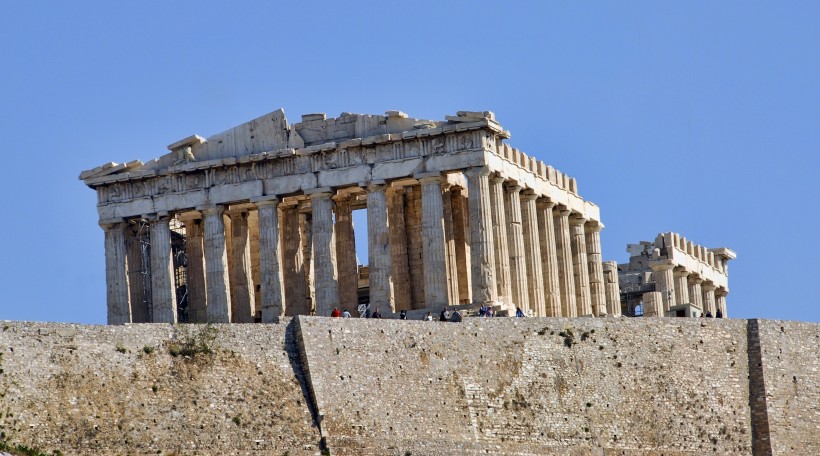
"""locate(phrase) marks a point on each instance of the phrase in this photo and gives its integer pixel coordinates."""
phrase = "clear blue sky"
(696, 117)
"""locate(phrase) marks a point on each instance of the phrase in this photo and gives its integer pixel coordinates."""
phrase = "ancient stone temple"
(255, 223)
(674, 277)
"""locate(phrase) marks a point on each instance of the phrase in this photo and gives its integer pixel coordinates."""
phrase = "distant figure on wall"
(519, 313)
(708, 314)
(719, 314)
(456, 318)
(335, 313)
(345, 314)
(445, 316)
(429, 316)
(403, 315)
(376, 313)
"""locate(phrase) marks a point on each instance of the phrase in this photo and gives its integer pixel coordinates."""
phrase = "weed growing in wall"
(192, 343)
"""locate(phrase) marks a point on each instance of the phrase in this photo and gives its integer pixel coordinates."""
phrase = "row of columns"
(679, 286)
(518, 249)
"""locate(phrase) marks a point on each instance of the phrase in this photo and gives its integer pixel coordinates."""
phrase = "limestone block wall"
(530, 386)
(791, 373)
(96, 390)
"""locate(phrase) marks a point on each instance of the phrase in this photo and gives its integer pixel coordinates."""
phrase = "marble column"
(482, 251)
(398, 249)
(613, 289)
(347, 266)
(380, 259)
(243, 297)
(533, 255)
(580, 267)
(695, 292)
(665, 284)
(216, 266)
(116, 274)
(708, 289)
(597, 287)
(294, 275)
(195, 272)
(461, 236)
(325, 276)
(163, 290)
(432, 226)
(270, 271)
(500, 242)
(549, 258)
(681, 278)
(449, 245)
(566, 275)
(515, 243)
(139, 271)
(720, 300)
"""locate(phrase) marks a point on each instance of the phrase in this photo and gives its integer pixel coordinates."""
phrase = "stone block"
(235, 192)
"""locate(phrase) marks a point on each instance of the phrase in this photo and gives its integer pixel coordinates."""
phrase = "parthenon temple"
(674, 277)
(255, 223)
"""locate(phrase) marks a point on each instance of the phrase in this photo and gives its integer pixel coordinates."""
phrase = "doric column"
(515, 243)
(580, 266)
(501, 244)
(216, 266)
(695, 293)
(195, 272)
(665, 284)
(116, 274)
(566, 276)
(138, 244)
(532, 253)
(681, 277)
(243, 297)
(398, 249)
(270, 271)
(597, 287)
(348, 267)
(432, 226)
(380, 259)
(549, 258)
(324, 253)
(708, 289)
(449, 244)
(720, 301)
(482, 250)
(613, 289)
(461, 237)
(293, 263)
(163, 292)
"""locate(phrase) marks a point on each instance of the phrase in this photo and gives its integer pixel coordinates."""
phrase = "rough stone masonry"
(531, 386)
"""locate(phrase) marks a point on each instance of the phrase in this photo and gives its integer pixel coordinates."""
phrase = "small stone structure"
(254, 223)
(674, 277)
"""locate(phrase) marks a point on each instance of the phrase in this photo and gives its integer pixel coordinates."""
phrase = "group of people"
(455, 316)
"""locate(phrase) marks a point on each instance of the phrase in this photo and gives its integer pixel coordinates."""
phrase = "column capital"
(694, 279)
(680, 271)
(111, 224)
(376, 185)
(513, 187)
(265, 200)
(210, 211)
(577, 220)
(708, 285)
(529, 195)
(593, 226)
(545, 203)
(478, 171)
(319, 193)
(665, 266)
(428, 177)
(721, 292)
(497, 179)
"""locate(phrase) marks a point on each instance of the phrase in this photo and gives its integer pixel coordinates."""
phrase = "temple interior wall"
(503, 386)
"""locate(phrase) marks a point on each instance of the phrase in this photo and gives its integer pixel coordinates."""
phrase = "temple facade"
(672, 276)
(255, 223)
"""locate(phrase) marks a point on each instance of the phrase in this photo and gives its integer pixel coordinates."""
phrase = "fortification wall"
(95, 390)
(580, 386)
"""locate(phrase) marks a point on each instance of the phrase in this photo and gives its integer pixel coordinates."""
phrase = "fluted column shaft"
(163, 290)
(270, 271)
(681, 278)
(533, 255)
(501, 244)
(216, 266)
(461, 237)
(613, 289)
(449, 245)
(515, 243)
(549, 258)
(597, 287)
(243, 297)
(580, 267)
(294, 275)
(708, 290)
(665, 284)
(116, 274)
(380, 259)
(324, 254)
(482, 250)
(347, 267)
(432, 226)
(566, 276)
(195, 272)
(695, 292)
(398, 250)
